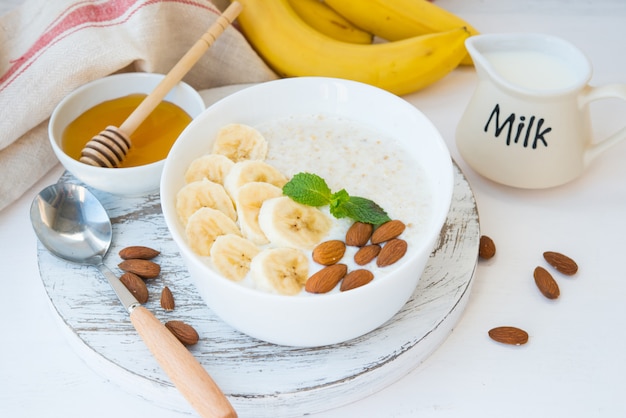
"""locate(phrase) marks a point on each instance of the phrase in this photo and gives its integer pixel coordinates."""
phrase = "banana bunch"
(423, 41)
(400, 19)
(235, 213)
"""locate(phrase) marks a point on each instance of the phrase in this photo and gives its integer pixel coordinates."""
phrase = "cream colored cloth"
(49, 48)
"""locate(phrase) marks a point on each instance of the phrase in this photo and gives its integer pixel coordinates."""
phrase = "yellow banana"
(292, 48)
(326, 20)
(394, 20)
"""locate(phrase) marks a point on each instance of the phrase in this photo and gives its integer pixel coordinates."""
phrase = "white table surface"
(575, 362)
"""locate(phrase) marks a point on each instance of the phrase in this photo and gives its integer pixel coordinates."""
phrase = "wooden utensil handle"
(185, 372)
(180, 69)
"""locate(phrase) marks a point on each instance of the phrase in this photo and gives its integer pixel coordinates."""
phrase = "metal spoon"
(73, 225)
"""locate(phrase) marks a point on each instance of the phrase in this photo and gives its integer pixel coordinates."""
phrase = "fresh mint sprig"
(312, 190)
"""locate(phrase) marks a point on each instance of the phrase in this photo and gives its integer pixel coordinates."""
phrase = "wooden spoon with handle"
(109, 148)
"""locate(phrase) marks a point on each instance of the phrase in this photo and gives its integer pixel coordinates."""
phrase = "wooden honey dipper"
(109, 148)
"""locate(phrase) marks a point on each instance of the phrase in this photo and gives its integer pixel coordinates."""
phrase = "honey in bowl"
(152, 140)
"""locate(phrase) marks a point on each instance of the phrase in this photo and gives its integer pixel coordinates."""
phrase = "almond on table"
(486, 247)
(167, 299)
(145, 269)
(509, 335)
(184, 332)
(138, 251)
(546, 283)
(136, 286)
(561, 262)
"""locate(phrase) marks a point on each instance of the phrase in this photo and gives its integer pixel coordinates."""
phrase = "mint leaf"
(308, 189)
(312, 190)
(362, 210)
(337, 200)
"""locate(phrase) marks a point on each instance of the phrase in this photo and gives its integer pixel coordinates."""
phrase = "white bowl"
(316, 320)
(145, 178)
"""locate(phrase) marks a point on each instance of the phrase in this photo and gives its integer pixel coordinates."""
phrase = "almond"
(138, 251)
(326, 279)
(486, 247)
(509, 335)
(546, 283)
(145, 269)
(167, 299)
(329, 252)
(356, 278)
(561, 262)
(136, 286)
(391, 252)
(366, 254)
(388, 231)
(358, 234)
(184, 332)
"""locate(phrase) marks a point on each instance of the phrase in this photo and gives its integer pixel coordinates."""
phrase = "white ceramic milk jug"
(527, 124)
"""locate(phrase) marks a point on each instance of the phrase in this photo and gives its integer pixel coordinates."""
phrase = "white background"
(574, 364)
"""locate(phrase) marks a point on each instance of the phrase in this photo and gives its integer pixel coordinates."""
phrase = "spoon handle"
(184, 370)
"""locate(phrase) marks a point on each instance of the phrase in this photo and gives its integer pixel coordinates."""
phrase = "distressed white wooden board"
(260, 379)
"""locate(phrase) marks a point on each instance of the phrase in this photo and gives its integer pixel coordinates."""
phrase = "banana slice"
(231, 255)
(250, 197)
(240, 142)
(204, 226)
(252, 170)
(205, 193)
(213, 167)
(290, 224)
(280, 270)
